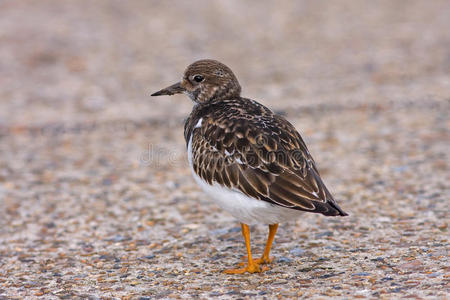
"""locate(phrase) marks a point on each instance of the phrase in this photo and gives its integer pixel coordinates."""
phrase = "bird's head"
(205, 80)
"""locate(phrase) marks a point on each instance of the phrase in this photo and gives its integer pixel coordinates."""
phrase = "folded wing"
(262, 156)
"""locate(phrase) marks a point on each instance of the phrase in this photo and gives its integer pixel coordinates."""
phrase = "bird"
(251, 161)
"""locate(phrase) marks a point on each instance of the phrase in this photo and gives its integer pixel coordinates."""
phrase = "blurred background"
(93, 171)
(71, 60)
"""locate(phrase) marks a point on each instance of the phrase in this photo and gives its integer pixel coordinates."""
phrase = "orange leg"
(265, 259)
(252, 266)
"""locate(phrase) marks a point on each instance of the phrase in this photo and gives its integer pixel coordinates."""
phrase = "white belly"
(247, 210)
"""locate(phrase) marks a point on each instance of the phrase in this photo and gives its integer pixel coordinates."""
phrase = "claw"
(259, 261)
(252, 268)
(264, 260)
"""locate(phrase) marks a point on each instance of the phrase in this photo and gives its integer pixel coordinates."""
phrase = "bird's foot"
(264, 260)
(254, 267)
(259, 261)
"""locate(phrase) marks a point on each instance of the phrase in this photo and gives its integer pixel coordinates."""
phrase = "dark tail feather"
(337, 209)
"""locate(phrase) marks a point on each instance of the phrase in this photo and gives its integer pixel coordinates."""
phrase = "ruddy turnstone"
(251, 161)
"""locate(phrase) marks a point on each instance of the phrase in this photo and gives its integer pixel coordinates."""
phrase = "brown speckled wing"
(242, 145)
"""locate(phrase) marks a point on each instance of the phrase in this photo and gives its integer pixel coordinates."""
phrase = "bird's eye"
(198, 78)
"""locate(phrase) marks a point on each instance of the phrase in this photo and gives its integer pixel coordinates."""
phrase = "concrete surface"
(96, 199)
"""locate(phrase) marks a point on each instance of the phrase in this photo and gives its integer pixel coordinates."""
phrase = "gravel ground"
(96, 197)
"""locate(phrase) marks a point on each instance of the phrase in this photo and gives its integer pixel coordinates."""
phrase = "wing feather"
(252, 150)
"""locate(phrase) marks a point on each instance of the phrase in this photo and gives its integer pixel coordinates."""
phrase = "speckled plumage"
(252, 161)
(243, 145)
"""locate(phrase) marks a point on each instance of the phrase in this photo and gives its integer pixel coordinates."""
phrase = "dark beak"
(171, 90)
